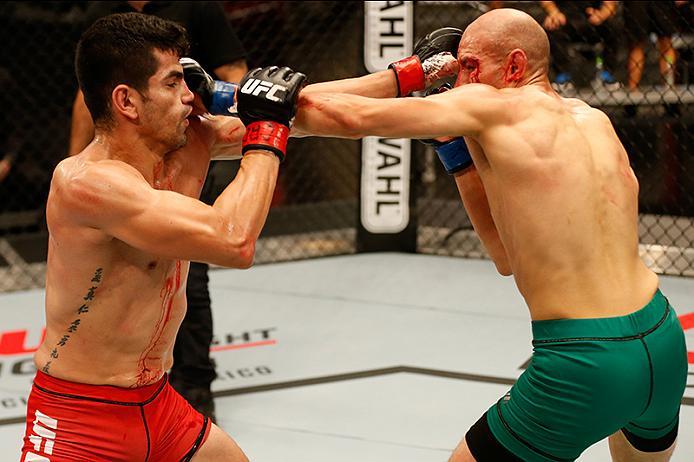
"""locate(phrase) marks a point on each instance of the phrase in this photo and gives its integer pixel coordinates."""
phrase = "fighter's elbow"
(498, 254)
(241, 252)
(502, 265)
(504, 269)
(236, 247)
(246, 255)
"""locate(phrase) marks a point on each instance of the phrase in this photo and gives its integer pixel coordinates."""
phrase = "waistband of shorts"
(634, 325)
(103, 393)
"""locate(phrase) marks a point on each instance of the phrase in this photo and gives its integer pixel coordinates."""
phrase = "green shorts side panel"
(668, 350)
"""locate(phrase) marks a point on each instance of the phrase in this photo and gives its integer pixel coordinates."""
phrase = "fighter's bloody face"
(477, 64)
(167, 103)
(469, 70)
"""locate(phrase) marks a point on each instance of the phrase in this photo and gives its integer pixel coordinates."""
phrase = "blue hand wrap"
(222, 98)
(454, 155)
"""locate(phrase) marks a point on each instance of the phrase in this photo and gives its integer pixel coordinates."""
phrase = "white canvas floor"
(371, 357)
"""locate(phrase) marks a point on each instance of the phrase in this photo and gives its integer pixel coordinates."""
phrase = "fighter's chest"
(171, 175)
(135, 265)
(168, 174)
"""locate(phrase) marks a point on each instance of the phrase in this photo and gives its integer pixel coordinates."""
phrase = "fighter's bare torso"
(562, 195)
(112, 310)
(565, 202)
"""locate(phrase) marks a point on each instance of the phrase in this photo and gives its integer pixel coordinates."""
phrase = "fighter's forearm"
(341, 115)
(474, 199)
(327, 114)
(245, 202)
(377, 85)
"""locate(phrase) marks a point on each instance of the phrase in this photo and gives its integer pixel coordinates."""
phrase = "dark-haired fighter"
(124, 222)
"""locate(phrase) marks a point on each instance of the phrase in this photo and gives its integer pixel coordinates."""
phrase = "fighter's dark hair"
(119, 49)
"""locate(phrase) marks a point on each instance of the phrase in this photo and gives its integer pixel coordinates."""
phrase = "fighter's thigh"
(462, 453)
(219, 447)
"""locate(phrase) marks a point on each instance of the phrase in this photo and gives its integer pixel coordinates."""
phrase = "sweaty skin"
(124, 223)
(560, 212)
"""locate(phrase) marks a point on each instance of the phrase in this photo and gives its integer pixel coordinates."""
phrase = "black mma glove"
(430, 62)
(217, 96)
(266, 105)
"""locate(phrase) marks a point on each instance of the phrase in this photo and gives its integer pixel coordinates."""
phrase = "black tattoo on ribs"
(72, 328)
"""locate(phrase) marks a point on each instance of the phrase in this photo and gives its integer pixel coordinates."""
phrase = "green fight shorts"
(588, 379)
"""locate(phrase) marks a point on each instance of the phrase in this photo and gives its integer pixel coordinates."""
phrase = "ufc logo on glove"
(256, 87)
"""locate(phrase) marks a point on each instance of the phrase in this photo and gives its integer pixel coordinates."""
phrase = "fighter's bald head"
(503, 30)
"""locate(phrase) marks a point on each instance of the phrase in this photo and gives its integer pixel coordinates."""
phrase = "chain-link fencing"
(316, 207)
(38, 87)
(314, 211)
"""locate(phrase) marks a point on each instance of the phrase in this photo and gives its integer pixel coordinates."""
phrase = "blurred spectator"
(217, 48)
(5, 167)
(582, 22)
(640, 20)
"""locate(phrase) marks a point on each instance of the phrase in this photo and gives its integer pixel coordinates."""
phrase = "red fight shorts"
(68, 421)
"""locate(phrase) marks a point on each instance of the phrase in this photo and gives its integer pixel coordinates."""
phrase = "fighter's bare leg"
(219, 447)
(462, 453)
(622, 451)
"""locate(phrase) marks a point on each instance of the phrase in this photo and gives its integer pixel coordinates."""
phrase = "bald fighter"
(549, 189)
(124, 222)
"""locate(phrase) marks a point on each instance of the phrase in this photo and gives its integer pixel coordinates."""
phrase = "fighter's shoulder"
(479, 90)
(580, 106)
(486, 102)
(82, 184)
(584, 111)
(78, 169)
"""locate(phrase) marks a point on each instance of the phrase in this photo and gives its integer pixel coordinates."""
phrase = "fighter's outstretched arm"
(463, 111)
(114, 197)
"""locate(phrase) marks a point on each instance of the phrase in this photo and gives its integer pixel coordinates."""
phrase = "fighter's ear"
(123, 101)
(516, 64)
